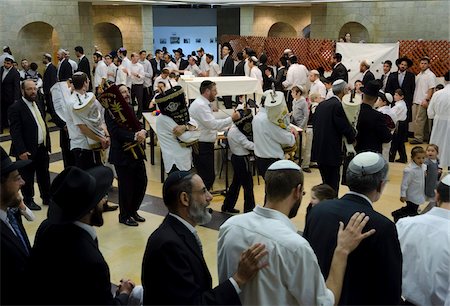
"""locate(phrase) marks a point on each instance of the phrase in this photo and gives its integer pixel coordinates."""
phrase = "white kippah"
(284, 164)
(389, 97)
(337, 82)
(366, 163)
(314, 71)
(98, 52)
(446, 180)
(254, 59)
(194, 57)
(47, 55)
(287, 51)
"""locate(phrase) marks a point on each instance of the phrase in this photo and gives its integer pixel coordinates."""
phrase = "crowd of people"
(261, 257)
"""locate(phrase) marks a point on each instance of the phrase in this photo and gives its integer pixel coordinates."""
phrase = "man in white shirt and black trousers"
(208, 125)
(137, 75)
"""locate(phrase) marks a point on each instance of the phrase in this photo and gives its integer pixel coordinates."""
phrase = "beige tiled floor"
(123, 247)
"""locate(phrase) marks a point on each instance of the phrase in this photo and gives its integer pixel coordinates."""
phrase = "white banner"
(374, 54)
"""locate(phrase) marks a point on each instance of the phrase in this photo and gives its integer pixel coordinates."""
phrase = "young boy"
(401, 131)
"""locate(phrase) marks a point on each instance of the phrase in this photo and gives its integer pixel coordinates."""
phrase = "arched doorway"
(282, 29)
(37, 38)
(357, 31)
(307, 31)
(107, 37)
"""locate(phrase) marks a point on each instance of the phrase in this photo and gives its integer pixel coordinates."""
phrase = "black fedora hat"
(372, 88)
(75, 192)
(179, 50)
(228, 45)
(404, 58)
(9, 166)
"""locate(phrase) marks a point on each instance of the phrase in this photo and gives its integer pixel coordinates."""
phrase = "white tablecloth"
(226, 86)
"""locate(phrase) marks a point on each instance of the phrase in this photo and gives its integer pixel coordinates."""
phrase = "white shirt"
(400, 110)
(387, 110)
(329, 94)
(148, 70)
(194, 69)
(5, 72)
(39, 128)
(173, 153)
(88, 228)
(318, 87)
(293, 276)
(171, 66)
(238, 142)
(269, 138)
(101, 72)
(111, 72)
(203, 63)
(256, 73)
(386, 76)
(121, 77)
(214, 69)
(208, 125)
(126, 63)
(246, 68)
(439, 110)
(296, 75)
(425, 244)
(73, 64)
(424, 81)
(139, 70)
(161, 79)
(413, 183)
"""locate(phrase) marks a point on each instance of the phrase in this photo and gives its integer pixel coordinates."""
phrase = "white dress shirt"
(5, 72)
(413, 183)
(111, 72)
(296, 75)
(173, 153)
(159, 79)
(194, 69)
(88, 228)
(214, 69)
(238, 142)
(203, 64)
(329, 94)
(425, 244)
(256, 73)
(246, 68)
(139, 70)
(126, 63)
(269, 139)
(400, 110)
(293, 276)
(208, 125)
(424, 81)
(39, 128)
(121, 77)
(101, 72)
(148, 71)
(318, 87)
(171, 66)
(73, 64)
(387, 110)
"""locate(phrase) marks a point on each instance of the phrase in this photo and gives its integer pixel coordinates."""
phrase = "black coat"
(50, 78)
(228, 67)
(372, 130)
(174, 271)
(374, 268)
(65, 71)
(340, 72)
(84, 66)
(240, 70)
(9, 92)
(408, 87)
(368, 77)
(14, 259)
(330, 124)
(24, 129)
(67, 257)
(120, 136)
(154, 64)
(183, 64)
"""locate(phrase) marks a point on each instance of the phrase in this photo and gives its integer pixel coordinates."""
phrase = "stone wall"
(284, 18)
(387, 21)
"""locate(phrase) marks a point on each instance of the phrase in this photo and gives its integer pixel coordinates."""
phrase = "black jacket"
(24, 129)
(368, 77)
(84, 66)
(374, 268)
(174, 271)
(50, 78)
(240, 70)
(154, 64)
(340, 72)
(228, 66)
(408, 87)
(372, 130)
(65, 71)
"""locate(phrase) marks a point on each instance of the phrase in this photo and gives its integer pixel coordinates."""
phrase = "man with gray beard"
(174, 271)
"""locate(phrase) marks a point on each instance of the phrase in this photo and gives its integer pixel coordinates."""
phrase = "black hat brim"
(407, 60)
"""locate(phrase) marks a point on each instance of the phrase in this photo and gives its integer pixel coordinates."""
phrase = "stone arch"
(282, 29)
(306, 32)
(357, 30)
(37, 38)
(107, 37)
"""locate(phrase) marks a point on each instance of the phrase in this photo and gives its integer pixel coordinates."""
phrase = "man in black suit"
(129, 163)
(83, 64)
(406, 81)
(9, 89)
(367, 75)
(339, 70)
(240, 67)
(157, 63)
(372, 126)
(15, 245)
(331, 125)
(31, 141)
(374, 269)
(227, 68)
(66, 244)
(64, 71)
(174, 271)
(179, 60)
(49, 80)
